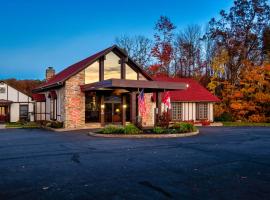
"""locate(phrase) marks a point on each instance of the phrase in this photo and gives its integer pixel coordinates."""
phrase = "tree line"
(230, 56)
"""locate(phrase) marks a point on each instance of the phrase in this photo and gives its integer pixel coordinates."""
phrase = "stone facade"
(149, 119)
(74, 102)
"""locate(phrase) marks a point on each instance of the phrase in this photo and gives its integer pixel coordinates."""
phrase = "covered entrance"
(115, 100)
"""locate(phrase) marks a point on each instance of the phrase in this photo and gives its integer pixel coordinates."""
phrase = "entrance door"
(3, 114)
(113, 113)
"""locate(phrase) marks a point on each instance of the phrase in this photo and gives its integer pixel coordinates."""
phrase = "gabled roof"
(62, 76)
(194, 93)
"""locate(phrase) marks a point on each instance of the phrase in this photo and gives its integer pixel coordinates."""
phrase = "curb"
(179, 135)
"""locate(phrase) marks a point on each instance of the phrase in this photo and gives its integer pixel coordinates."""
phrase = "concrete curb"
(179, 135)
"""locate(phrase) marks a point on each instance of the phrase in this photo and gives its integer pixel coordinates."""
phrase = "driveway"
(220, 163)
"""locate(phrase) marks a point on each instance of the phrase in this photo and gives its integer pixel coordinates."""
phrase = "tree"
(162, 49)
(26, 86)
(137, 47)
(240, 33)
(266, 44)
(188, 52)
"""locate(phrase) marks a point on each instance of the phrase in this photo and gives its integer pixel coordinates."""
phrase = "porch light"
(102, 106)
(125, 106)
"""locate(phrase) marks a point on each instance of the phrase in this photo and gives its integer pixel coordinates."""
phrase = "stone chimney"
(50, 72)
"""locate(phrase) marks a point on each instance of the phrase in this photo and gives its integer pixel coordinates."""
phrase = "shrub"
(205, 123)
(56, 124)
(184, 127)
(257, 118)
(112, 129)
(170, 131)
(30, 125)
(164, 120)
(131, 129)
(224, 117)
(158, 130)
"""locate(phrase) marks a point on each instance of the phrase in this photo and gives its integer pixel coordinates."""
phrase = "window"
(92, 73)
(201, 111)
(141, 77)
(112, 68)
(176, 111)
(2, 89)
(130, 73)
(24, 112)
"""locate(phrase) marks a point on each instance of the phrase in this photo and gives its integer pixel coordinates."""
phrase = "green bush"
(184, 127)
(112, 129)
(56, 124)
(170, 131)
(131, 129)
(224, 117)
(30, 125)
(158, 130)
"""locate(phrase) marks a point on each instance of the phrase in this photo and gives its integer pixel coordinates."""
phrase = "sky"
(35, 34)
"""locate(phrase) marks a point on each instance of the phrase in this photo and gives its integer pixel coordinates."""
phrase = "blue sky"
(35, 34)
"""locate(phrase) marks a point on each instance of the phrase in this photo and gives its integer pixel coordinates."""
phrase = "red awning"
(39, 97)
(52, 94)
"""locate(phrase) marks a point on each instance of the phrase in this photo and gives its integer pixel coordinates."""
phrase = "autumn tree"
(138, 48)
(26, 86)
(162, 49)
(240, 32)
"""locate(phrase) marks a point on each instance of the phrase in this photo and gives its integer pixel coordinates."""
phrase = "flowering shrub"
(257, 118)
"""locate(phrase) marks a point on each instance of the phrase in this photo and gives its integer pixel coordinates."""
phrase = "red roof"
(194, 93)
(39, 97)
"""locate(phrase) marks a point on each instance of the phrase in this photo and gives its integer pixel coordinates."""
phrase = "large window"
(92, 107)
(141, 77)
(92, 73)
(176, 111)
(130, 73)
(24, 112)
(112, 67)
(201, 111)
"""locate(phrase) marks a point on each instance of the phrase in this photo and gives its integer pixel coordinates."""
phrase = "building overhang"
(4, 102)
(134, 85)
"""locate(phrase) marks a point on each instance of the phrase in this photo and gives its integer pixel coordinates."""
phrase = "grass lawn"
(245, 124)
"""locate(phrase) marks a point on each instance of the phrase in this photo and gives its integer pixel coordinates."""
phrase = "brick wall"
(74, 102)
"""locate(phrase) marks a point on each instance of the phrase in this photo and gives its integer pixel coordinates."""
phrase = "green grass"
(245, 124)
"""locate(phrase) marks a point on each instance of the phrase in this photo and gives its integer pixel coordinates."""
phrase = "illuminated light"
(187, 85)
(117, 110)
(102, 106)
(124, 106)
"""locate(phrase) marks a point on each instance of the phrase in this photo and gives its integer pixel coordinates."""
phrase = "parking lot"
(219, 163)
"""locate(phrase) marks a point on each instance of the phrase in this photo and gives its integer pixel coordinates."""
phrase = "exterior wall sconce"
(102, 106)
(125, 106)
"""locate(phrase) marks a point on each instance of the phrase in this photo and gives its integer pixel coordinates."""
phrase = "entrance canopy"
(4, 102)
(134, 85)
